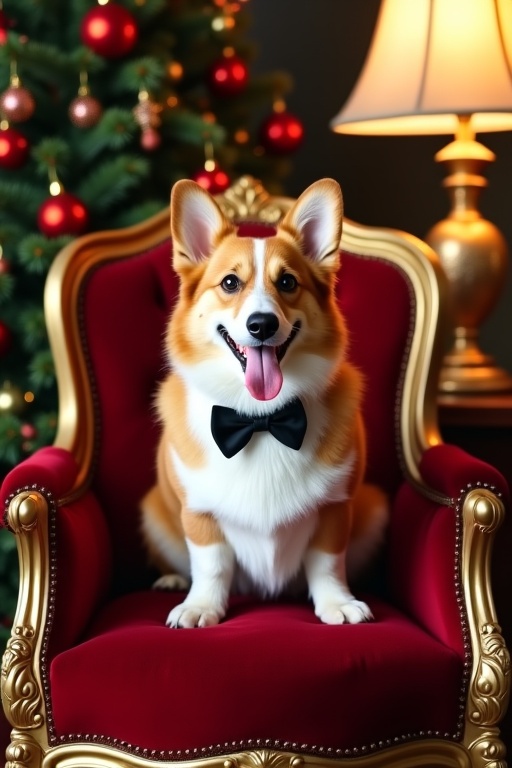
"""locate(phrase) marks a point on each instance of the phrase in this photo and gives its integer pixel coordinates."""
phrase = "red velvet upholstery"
(270, 670)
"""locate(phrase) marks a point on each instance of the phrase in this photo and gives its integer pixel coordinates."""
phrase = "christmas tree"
(103, 106)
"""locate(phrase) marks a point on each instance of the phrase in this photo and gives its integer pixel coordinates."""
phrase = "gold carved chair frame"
(480, 513)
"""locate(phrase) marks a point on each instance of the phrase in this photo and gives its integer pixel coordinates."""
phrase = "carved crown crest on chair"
(87, 634)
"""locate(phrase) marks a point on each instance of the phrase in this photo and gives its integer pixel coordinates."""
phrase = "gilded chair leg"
(23, 751)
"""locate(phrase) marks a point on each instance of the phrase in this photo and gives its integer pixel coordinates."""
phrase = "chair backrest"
(108, 298)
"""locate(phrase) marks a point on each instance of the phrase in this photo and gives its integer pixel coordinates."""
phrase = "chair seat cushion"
(270, 670)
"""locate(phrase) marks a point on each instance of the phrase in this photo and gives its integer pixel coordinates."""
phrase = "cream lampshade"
(445, 67)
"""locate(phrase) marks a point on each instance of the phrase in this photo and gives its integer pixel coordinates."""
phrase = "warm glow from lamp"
(431, 61)
(445, 67)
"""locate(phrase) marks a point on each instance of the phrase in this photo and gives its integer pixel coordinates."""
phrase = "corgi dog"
(262, 452)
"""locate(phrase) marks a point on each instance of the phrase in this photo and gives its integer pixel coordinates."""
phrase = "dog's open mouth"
(261, 364)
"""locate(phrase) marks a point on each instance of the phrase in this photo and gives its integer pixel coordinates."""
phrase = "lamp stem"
(474, 255)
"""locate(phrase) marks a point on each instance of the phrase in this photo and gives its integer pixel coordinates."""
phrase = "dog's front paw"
(351, 612)
(185, 616)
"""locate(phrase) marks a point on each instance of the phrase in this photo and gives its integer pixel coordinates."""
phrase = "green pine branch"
(37, 252)
(114, 132)
(111, 181)
(19, 199)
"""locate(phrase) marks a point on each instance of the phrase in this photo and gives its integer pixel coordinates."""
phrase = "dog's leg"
(325, 567)
(165, 540)
(212, 564)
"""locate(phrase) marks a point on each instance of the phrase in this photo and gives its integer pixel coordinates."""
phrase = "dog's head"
(256, 319)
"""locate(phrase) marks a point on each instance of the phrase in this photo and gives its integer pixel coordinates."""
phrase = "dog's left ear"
(316, 220)
(197, 224)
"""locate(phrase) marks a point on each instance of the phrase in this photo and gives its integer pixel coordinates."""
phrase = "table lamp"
(445, 67)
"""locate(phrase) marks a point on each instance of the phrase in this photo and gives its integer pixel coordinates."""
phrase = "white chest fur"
(266, 497)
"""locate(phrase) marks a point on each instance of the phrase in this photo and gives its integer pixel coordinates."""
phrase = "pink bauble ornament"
(109, 30)
(17, 104)
(85, 111)
(14, 148)
(63, 214)
(28, 431)
(150, 139)
(281, 133)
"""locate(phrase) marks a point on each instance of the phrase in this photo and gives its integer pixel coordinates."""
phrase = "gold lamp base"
(467, 370)
(474, 256)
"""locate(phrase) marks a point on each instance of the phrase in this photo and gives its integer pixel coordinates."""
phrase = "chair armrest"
(440, 543)
(52, 468)
(63, 546)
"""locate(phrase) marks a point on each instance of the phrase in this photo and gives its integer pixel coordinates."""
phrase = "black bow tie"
(232, 430)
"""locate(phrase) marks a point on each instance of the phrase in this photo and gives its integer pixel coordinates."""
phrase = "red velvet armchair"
(91, 675)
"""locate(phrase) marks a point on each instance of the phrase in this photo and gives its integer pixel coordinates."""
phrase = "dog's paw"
(172, 582)
(185, 616)
(351, 612)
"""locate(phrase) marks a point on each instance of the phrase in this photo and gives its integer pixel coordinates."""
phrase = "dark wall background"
(389, 181)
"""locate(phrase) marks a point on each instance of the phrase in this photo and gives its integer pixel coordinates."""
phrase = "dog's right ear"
(197, 224)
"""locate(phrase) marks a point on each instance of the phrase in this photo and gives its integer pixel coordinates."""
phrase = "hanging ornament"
(28, 431)
(17, 103)
(147, 115)
(5, 25)
(14, 147)
(109, 30)
(5, 264)
(11, 398)
(211, 177)
(5, 338)
(84, 111)
(61, 213)
(228, 75)
(282, 132)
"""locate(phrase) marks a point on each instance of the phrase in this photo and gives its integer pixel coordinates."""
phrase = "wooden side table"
(482, 425)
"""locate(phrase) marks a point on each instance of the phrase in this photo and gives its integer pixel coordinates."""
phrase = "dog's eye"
(230, 283)
(287, 283)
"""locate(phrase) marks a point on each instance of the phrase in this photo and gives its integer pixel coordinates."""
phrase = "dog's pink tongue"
(263, 377)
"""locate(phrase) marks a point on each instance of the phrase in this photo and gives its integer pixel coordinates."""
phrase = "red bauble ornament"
(214, 181)
(17, 104)
(14, 148)
(5, 338)
(85, 111)
(229, 76)
(63, 214)
(5, 266)
(109, 30)
(281, 133)
(5, 24)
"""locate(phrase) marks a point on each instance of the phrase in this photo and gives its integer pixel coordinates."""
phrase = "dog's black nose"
(262, 325)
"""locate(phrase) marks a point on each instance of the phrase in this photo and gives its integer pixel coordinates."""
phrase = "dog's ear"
(197, 224)
(316, 220)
